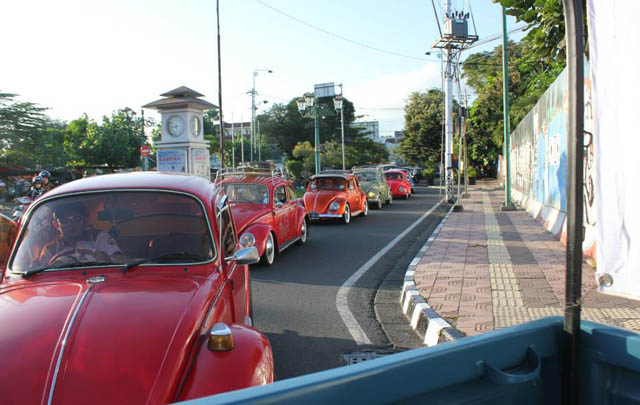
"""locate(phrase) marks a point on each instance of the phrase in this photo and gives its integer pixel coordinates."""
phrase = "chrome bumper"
(315, 215)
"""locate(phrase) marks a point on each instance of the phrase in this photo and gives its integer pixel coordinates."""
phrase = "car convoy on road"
(144, 276)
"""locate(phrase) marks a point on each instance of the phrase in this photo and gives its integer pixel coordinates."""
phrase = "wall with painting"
(539, 162)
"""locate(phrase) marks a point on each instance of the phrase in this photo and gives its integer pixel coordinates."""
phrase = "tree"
(21, 126)
(116, 143)
(545, 19)
(283, 126)
(423, 127)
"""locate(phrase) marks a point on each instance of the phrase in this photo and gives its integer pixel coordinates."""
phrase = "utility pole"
(464, 136)
(220, 87)
(448, 116)
(259, 142)
(253, 112)
(242, 139)
(508, 206)
(233, 144)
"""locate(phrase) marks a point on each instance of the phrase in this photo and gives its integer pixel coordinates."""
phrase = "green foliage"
(22, 125)
(428, 173)
(422, 127)
(545, 19)
(303, 151)
(472, 172)
(294, 167)
(529, 77)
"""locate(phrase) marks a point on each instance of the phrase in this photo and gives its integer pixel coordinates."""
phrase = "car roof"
(395, 171)
(265, 179)
(198, 186)
(329, 175)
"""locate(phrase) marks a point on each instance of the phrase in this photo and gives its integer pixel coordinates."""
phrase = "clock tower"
(182, 147)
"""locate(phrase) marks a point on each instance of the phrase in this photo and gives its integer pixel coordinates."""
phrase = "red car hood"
(244, 214)
(318, 201)
(127, 342)
(394, 184)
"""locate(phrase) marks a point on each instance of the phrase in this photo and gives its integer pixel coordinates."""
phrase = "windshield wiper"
(164, 258)
(28, 273)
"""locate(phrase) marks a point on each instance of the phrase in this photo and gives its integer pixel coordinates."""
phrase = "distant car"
(335, 196)
(400, 186)
(127, 288)
(266, 211)
(374, 184)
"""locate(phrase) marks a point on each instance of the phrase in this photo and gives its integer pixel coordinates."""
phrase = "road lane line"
(343, 293)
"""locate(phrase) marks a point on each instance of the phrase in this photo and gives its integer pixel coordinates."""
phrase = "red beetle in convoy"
(397, 180)
(266, 211)
(127, 288)
(335, 195)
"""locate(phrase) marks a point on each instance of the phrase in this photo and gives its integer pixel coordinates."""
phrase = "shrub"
(472, 172)
(294, 167)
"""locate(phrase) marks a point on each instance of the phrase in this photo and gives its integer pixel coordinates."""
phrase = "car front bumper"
(316, 215)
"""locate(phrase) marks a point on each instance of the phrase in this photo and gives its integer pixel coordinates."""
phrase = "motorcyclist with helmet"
(46, 180)
(37, 188)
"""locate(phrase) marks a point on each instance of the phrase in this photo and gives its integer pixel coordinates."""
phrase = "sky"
(94, 57)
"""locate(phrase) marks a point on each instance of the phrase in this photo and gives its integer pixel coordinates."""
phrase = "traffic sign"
(144, 150)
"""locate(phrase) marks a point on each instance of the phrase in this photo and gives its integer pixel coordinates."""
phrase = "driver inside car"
(75, 242)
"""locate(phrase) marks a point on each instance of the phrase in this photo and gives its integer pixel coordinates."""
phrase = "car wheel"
(346, 217)
(304, 233)
(365, 211)
(269, 254)
(379, 203)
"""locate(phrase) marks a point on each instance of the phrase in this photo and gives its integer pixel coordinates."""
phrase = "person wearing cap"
(75, 243)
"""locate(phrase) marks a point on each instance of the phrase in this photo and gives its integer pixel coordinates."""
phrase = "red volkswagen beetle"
(397, 180)
(266, 211)
(335, 195)
(127, 288)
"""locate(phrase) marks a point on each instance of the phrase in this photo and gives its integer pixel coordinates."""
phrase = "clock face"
(175, 125)
(195, 126)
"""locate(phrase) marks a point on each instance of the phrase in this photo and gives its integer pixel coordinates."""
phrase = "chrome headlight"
(401, 188)
(371, 194)
(247, 240)
(334, 206)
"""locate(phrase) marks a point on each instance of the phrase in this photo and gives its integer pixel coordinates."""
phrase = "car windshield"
(328, 183)
(366, 176)
(113, 228)
(247, 192)
(393, 176)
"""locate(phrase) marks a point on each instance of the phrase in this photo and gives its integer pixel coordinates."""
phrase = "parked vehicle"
(335, 196)
(374, 184)
(400, 186)
(128, 288)
(266, 211)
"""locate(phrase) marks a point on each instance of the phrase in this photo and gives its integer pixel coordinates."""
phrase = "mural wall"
(539, 162)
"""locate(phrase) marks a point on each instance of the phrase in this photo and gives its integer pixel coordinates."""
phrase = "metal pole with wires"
(508, 206)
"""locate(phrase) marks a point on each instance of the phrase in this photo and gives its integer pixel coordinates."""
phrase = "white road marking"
(343, 293)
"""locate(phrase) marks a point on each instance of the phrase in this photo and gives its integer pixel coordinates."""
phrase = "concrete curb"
(424, 319)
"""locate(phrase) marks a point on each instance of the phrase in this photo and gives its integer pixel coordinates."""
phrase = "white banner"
(172, 160)
(613, 29)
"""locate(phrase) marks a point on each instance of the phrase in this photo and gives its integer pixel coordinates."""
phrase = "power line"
(339, 36)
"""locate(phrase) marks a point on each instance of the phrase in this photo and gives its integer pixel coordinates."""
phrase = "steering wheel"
(70, 253)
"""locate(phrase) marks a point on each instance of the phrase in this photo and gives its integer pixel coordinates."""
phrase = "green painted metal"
(505, 104)
(316, 125)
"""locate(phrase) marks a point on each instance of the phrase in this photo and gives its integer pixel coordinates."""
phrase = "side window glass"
(228, 236)
(351, 185)
(292, 194)
(280, 196)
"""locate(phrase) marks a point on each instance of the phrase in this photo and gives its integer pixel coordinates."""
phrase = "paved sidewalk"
(488, 269)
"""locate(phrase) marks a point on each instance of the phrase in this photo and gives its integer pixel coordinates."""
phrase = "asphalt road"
(295, 299)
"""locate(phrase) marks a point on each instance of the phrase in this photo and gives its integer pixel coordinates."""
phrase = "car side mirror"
(244, 256)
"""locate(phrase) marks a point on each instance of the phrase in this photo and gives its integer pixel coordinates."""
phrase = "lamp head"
(301, 104)
(309, 99)
(337, 102)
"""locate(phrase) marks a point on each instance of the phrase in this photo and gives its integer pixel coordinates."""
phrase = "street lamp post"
(338, 103)
(310, 107)
(253, 106)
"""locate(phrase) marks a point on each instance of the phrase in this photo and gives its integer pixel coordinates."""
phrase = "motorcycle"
(23, 203)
